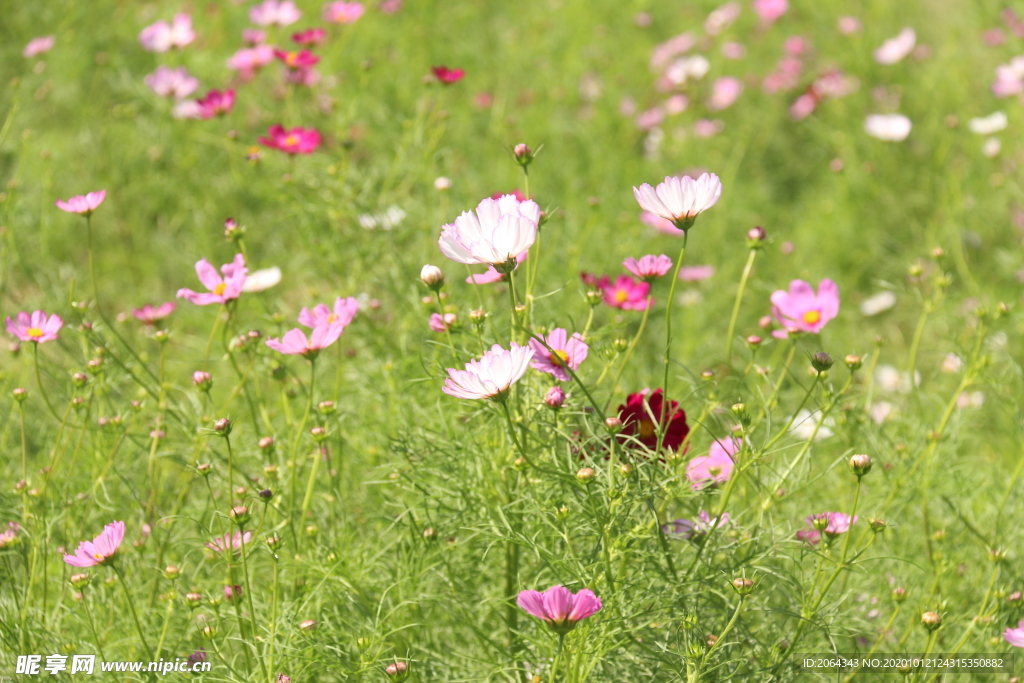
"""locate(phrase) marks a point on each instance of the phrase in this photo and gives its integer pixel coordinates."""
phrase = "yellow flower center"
(292, 58)
(331, 318)
(291, 141)
(35, 332)
(219, 289)
(812, 317)
(559, 357)
(621, 296)
(646, 429)
(98, 556)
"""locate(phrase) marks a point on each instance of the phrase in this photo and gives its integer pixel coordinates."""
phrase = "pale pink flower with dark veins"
(100, 549)
(724, 93)
(343, 12)
(566, 352)
(715, 467)
(150, 315)
(494, 234)
(492, 275)
(344, 311)
(162, 36)
(222, 289)
(38, 46)
(559, 607)
(680, 200)
(82, 204)
(228, 542)
(649, 267)
(491, 376)
(275, 13)
(801, 309)
(895, 49)
(36, 327)
(295, 342)
(1015, 636)
(695, 273)
(176, 83)
(770, 10)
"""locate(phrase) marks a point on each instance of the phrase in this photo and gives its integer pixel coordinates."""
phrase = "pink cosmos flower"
(770, 10)
(254, 36)
(186, 109)
(441, 323)
(734, 50)
(495, 233)
(295, 141)
(664, 53)
(802, 309)
(161, 36)
(715, 467)
(216, 103)
(796, 46)
(680, 200)
(1015, 636)
(492, 275)
(803, 107)
(650, 118)
(312, 36)
(658, 223)
(565, 352)
(721, 18)
(38, 46)
(222, 289)
(343, 12)
(706, 128)
(176, 83)
(295, 342)
(37, 327)
(695, 273)
(100, 549)
(695, 529)
(303, 59)
(808, 536)
(649, 267)
(724, 93)
(491, 376)
(344, 311)
(448, 76)
(626, 293)
(390, 6)
(676, 104)
(275, 13)
(849, 25)
(836, 523)
(895, 49)
(150, 315)
(559, 607)
(227, 542)
(248, 61)
(82, 204)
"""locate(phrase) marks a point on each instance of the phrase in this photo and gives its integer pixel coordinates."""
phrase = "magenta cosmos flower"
(1015, 636)
(216, 103)
(559, 607)
(82, 204)
(298, 140)
(176, 83)
(275, 13)
(344, 311)
(715, 467)
(770, 10)
(649, 267)
(802, 310)
(343, 12)
(37, 327)
(566, 352)
(295, 342)
(162, 36)
(38, 46)
(222, 289)
(448, 76)
(680, 200)
(100, 549)
(625, 293)
(832, 524)
(496, 233)
(491, 376)
(311, 36)
(297, 59)
(227, 542)
(150, 315)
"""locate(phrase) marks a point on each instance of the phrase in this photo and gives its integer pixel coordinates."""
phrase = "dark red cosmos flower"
(448, 76)
(637, 420)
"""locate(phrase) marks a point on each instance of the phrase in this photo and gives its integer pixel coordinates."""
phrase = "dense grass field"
(845, 479)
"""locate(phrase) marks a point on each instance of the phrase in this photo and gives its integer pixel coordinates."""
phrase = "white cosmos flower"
(895, 49)
(888, 127)
(878, 303)
(491, 376)
(680, 200)
(259, 280)
(494, 234)
(988, 125)
(804, 424)
(891, 380)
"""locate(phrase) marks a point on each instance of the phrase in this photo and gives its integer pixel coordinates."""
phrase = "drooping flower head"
(645, 414)
(38, 46)
(151, 315)
(176, 83)
(82, 204)
(344, 311)
(222, 289)
(275, 13)
(343, 12)
(295, 342)
(649, 267)
(100, 549)
(715, 467)
(36, 327)
(216, 103)
(448, 76)
(625, 293)
(565, 352)
(559, 607)
(801, 309)
(697, 529)
(680, 200)
(491, 376)
(496, 233)
(298, 140)
(227, 542)
(163, 36)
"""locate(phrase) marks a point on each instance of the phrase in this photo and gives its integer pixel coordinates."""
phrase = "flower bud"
(222, 426)
(79, 580)
(239, 515)
(326, 407)
(743, 585)
(202, 380)
(626, 469)
(432, 277)
(273, 541)
(877, 524)
(171, 572)
(519, 464)
(860, 464)
(312, 530)
(821, 362)
(442, 183)
(931, 620)
(266, 495)
(232, 230)
(266, 443)
(613, 424)
(820, 522)
(397, 671)
(853, 362)
(594, 297)
(620, 345)
(1015, 598)
(19, 394)
(756, 237)
(585, 474)
(753, 341)
(477, 316)
(193, 600)
(203, 469)
(555, 398)
(232, 592)
(79, 379)
(741, 413)
(523, 154)
(307, 625)
(899, 594)
(281, 678)
(319, 434)
(161, 336)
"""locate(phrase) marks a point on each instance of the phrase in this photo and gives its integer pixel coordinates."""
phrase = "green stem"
(252, 611)
(39, 381)
(668, 340)
(131, 608)
(736, 306)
